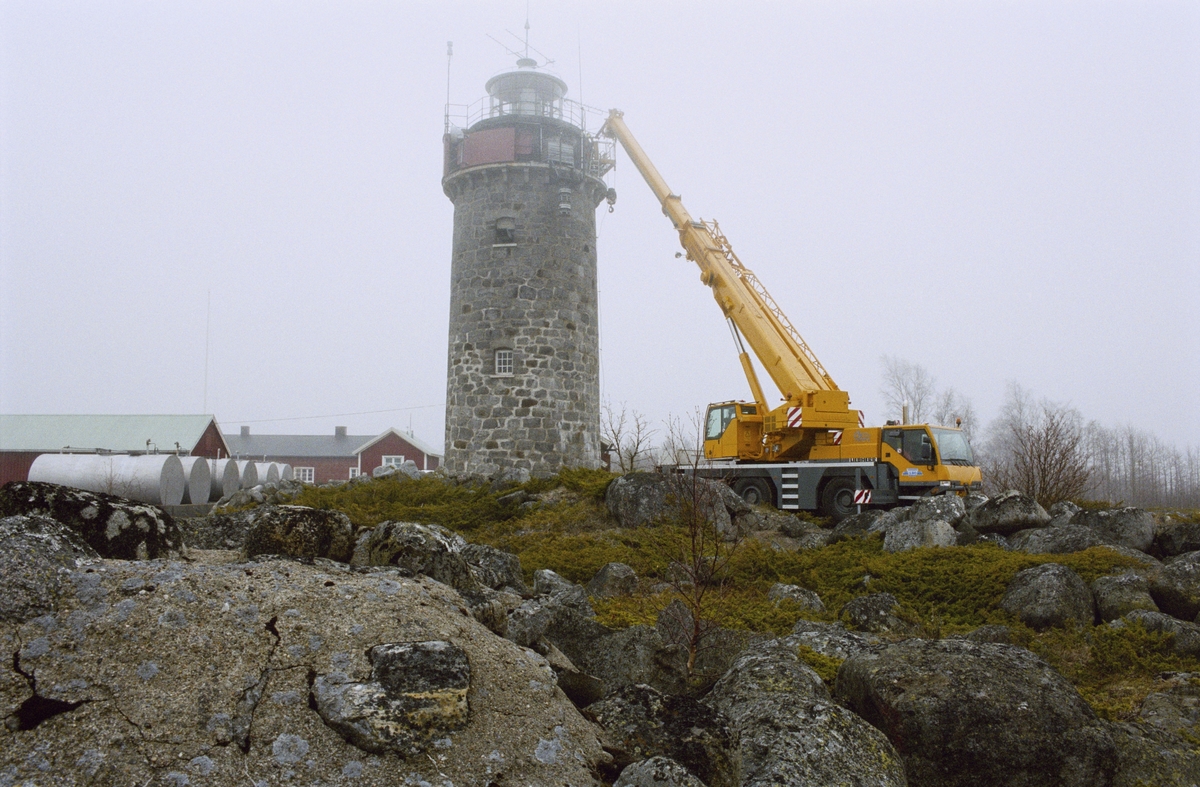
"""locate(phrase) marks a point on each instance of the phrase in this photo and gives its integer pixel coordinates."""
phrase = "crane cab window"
(917, 447)
(718, 420)
(892, 438)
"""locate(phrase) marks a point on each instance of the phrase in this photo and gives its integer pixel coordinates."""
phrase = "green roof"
(107, 432)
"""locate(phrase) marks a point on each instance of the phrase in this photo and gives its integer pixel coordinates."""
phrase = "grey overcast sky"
(999, 191)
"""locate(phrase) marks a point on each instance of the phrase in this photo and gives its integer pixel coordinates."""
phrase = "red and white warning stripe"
(861, 420)
(837, 437)
(862, 497)
(795, 416)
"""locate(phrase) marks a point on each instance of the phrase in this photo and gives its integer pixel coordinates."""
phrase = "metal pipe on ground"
(268, 472)
(157, 479)
(199, 478)
(249, 473)
(226, 478)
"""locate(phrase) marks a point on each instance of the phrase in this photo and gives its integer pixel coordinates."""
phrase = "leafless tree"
(699, 562)
(906, 383)
(950, 408)
(629, 434)
(1134, 467)
(1038, 448)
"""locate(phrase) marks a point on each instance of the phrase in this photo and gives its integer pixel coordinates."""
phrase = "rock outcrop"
(37, 554)
(1176, 587)
(978, 715)
(1006, 513)
(113, 526)
(1128, 527)
(150, 669)
(1049, 595)
(299, 531)
(1121, 594)
(792, 732)
(647, 499)
(640, 722)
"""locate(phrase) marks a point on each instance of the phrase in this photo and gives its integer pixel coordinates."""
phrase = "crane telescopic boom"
(810, 396)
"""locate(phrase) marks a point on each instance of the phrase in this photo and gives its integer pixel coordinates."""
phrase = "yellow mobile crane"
(811, 452)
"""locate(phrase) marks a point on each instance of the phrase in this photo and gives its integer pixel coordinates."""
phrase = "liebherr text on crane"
(812, 452)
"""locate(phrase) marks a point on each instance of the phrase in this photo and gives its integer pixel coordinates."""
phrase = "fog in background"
(998, 191)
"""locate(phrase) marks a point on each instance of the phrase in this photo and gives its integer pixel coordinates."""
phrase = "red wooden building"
(319, 459)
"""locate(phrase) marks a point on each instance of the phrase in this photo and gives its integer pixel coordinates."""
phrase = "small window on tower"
(506, 232)
(504, 362)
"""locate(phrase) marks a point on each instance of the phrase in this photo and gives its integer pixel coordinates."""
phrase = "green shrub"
(1114, 668)
(428, 500)
(825, 666)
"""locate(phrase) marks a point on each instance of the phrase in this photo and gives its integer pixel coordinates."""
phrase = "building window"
(304, 474)
(393, 461)
(354, 472)
(506, 232)
(504, 362)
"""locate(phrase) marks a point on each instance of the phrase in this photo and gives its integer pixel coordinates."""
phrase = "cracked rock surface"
(166, 672)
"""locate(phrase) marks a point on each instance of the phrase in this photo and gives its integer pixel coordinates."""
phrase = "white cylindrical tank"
(199, 478)
(249, 471)
(268, 472)
(285, 472)
(157, 479)
(226, 478)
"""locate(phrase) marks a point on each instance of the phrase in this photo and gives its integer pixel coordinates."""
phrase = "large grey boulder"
(1149, 756)
(299, 531)
(638, 654)
(945, 508)
(37, 554)
(916, 533)
(1061, 540)
(613, 579)
(1129, 527)
(1061, 512)
(494, 568)
(647, 499)
(1116, 595)
(802, 597)
(873, 520)
(1176, 586)
(1175, 708)
(832, 639)
(111, 525)
(715, 646)
(416, 692)
(978, 715)
(559, 590)
(878, 613)
(1185, 636)
(1006, 513)
(657, 772)
(640, 722)
(1049, 595)
(414, 548)
(209, 672)
(1176, 538)
(791, 731)
(217, 530)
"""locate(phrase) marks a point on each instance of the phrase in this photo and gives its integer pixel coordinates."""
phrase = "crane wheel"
(837, 501)
(753, 490)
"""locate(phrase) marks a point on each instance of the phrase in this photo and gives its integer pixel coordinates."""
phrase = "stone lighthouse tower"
(524, 175)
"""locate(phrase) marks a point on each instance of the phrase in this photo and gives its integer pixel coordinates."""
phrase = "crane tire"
(753, 490)
(837, 499)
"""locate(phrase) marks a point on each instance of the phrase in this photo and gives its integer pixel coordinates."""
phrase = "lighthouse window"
(506, 232)
(504, 362)
(562, 150)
